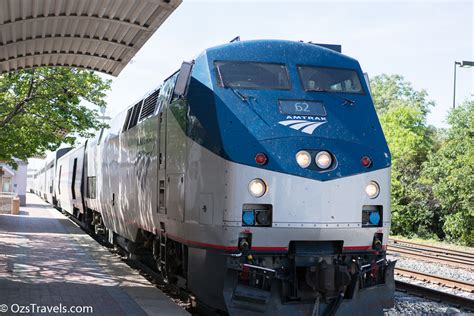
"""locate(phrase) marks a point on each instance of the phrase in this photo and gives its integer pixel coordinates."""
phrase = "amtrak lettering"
(304, 117)
(303, 123)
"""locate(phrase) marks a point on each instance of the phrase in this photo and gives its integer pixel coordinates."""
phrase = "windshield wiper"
(346, 100)
(241, 96)
(247, 99)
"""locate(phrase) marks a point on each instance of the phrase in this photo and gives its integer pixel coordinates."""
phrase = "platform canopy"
(102, 35)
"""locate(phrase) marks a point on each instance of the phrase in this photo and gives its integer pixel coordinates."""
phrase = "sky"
(419, 40)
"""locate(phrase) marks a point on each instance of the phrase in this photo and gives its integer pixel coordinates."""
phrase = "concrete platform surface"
(49, 266)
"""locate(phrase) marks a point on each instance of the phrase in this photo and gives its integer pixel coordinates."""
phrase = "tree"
(410, 142)
(450, 173)
(389, 91)
(42, 108)
(402, 112)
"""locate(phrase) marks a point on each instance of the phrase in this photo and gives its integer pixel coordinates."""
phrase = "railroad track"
(435, 279)
(431, 253)
(435, 295)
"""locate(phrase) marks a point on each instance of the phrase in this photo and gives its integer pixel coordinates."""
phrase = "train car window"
(73, 182)
(252, 75)
(127, 120)
(59, 179)
(329, 79)
(135, 113)
(166, 92)
(91, 187)
(100, 136)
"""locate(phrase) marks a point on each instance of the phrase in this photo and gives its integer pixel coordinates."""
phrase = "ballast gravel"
(434, 268)
(406, 304)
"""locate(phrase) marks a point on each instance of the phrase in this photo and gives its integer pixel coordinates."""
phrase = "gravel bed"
(436, 287)
(434, 268)
(406, 304)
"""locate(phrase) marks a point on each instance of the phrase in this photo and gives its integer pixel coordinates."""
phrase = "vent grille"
(149, 105)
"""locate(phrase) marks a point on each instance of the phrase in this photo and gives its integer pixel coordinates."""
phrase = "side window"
(100, 136)
(59, 179)
(135, 113)
(91, 187)
(127, 120)
(166, 92)
(73, 191)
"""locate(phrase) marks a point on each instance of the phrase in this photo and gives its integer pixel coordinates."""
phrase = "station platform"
(49, 266)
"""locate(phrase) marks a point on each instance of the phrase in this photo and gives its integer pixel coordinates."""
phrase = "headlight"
(257, 187)
(372, 189)
(323, 160)
(303, 158)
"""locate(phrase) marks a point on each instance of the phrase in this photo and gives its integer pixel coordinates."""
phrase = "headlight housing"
(323, 159)
(372, 189)
(257, 187)
(303, 158)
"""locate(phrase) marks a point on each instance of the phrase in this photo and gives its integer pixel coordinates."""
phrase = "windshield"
(329, 79)
(252, 75)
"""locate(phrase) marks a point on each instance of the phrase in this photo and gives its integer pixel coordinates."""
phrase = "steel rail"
(434, 249)
(434, 254)
(435, 295)
(436, 279)
(433, 258)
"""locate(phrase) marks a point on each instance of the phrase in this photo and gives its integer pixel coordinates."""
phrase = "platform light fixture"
(462, 64)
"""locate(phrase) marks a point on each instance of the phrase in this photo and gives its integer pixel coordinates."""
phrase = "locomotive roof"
(280, 51)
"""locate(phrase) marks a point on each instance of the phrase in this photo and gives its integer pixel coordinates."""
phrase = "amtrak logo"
(303, 125)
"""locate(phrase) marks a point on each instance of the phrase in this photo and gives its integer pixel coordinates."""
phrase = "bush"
(459, 229)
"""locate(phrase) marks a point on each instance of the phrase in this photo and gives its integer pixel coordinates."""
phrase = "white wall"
(18, 181)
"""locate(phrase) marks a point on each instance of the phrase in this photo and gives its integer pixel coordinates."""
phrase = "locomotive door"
(161, 160)
(175, 159)
(163, 101)
(170, 170)
(175, 156)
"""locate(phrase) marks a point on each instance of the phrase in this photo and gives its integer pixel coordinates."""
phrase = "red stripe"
(222, 247)
(257, 248)
(360, 248)
(201, 244)
(270, 248)
(232, 248)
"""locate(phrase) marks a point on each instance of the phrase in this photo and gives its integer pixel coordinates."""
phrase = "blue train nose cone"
(374, 218)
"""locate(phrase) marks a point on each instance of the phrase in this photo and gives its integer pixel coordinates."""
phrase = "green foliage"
(450, 173)
(389, 91)
(402, 112)
(432, 170)
(410, 142)
(458, 228)
(42, 108)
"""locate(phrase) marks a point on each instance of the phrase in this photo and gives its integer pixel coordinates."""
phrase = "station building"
(13, 181)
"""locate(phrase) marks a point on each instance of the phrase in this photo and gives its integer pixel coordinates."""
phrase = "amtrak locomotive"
(257, 177)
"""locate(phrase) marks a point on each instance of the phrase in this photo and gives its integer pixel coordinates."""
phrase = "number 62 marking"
(302, 107)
